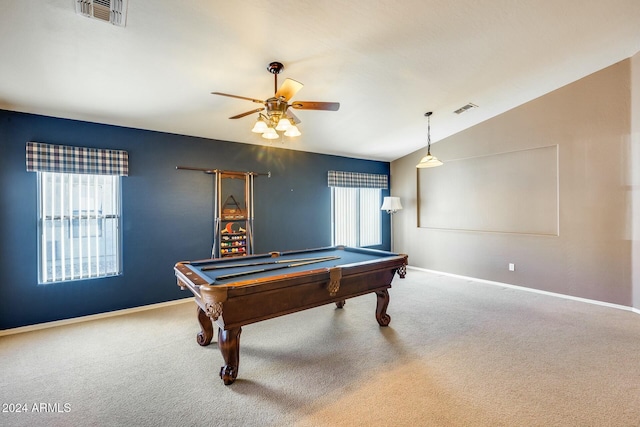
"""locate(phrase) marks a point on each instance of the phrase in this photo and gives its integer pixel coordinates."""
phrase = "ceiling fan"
(277, 115)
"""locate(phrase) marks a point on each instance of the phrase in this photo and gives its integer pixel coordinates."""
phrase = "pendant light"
(429, 161)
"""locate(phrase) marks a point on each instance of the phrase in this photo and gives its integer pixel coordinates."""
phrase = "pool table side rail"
(186, 273)
(250, 301)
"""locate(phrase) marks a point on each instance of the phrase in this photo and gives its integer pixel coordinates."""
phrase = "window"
(79, 213)
(356, 216)
(355, 208)
(79, 226)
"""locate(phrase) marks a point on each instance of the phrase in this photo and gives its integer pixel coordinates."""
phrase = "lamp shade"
(259, 127)
(292, 131)
(283, 124)
(270, 133)
(391, 204)
(429, 161)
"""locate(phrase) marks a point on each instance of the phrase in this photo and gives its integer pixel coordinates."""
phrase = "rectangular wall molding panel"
(511, 192)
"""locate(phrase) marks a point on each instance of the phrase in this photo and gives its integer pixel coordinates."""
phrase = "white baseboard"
(537, 291)
(81, 319)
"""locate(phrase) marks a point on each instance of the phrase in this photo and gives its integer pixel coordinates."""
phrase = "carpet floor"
(457, 353)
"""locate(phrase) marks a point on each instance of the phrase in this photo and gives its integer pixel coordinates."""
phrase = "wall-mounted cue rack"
(232, 211)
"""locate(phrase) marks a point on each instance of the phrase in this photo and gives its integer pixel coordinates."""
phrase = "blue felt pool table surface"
(259, 267)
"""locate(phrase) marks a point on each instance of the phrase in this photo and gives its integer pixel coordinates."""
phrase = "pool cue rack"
(234, 229)
(233, 211)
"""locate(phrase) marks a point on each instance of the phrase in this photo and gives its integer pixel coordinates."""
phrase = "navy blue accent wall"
(167, 213)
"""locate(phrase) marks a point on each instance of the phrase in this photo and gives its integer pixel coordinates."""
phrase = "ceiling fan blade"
(239, 97)
(289, 88)
(312, 105)
(293, 117)
(247, 113)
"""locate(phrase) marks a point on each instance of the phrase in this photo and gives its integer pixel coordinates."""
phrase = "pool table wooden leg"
(205, 336)
(340, 304)
(229, 343)
(381, 308)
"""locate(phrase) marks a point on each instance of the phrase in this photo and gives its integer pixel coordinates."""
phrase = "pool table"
(233, 292)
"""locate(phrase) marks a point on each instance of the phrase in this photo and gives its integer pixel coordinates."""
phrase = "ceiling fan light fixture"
(270, 133)
(292, 131)
(274, 115)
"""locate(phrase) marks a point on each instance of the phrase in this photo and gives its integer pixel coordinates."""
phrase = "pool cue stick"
(262, 270)
(215, 248)
(273, 260)
(250, 218)
(282, 261)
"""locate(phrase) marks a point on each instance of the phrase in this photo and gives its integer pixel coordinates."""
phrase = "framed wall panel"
(511, 192)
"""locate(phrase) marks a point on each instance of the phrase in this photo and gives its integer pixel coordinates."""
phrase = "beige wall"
(591, 257)
(635, 167)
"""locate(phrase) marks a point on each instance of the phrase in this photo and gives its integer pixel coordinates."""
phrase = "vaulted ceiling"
(386, 62)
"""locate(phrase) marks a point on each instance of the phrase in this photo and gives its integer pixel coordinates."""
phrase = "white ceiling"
(386, 62)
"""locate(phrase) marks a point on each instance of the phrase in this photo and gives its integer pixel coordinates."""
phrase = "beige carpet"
(457, 353)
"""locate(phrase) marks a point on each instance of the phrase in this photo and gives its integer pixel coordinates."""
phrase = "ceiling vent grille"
(465, 108)
(113, 11)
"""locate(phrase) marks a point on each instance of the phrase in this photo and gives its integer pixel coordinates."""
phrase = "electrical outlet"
(512, 267)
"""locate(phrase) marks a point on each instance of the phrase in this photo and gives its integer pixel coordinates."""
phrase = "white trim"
(537, 291)
(81, 319)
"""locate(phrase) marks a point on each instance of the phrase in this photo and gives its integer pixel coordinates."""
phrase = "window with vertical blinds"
(355, 208)
(356, 216)
(79, 223)
(79, 210)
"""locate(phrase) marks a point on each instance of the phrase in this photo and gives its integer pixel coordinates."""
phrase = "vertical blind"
(345, 216)
(79, 226)
(79, 210)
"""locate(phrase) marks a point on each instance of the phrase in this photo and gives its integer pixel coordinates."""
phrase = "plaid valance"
(357, 179)
(66, 159)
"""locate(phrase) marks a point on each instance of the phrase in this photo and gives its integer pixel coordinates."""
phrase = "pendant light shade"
(429, 161)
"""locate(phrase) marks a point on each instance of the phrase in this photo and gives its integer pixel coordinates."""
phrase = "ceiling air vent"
(464, 108)
(113, 11)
